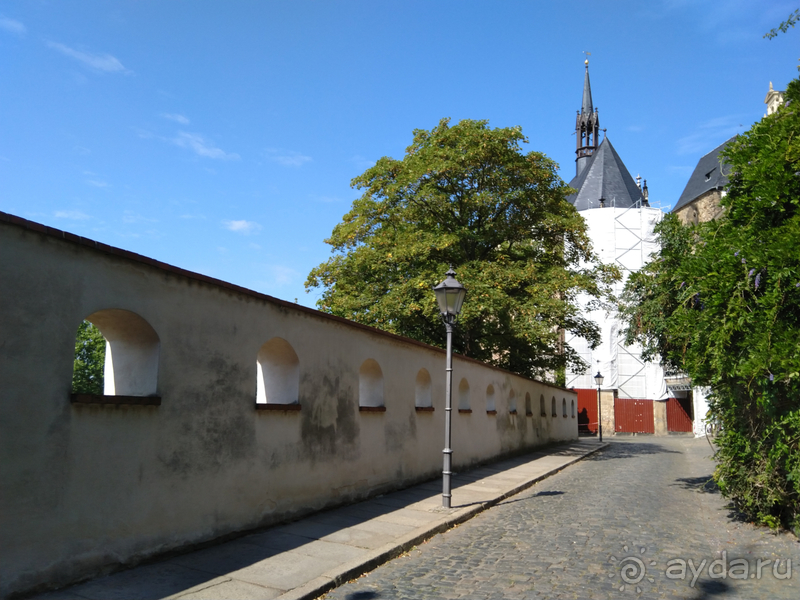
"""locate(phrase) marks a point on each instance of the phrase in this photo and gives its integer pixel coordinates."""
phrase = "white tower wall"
(623, 237)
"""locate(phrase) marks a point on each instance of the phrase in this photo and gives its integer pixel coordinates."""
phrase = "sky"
(221, 137)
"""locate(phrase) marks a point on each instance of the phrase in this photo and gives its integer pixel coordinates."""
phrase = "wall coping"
(165, 267)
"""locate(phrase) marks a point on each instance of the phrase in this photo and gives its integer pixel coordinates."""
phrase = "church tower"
(587, 127)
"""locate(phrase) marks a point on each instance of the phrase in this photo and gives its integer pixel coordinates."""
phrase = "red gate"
(678, 411)
(633, 416)
(587, 412)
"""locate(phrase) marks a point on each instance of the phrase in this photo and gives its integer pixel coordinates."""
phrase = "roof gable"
(710, 173)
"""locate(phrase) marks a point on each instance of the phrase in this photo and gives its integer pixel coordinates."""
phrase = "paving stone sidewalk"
(308, 557)
(607, 527)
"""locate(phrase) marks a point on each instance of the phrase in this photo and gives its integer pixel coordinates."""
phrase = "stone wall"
(705, 207)
(224, 410)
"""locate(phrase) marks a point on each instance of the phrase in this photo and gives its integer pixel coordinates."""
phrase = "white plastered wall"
(85, 487)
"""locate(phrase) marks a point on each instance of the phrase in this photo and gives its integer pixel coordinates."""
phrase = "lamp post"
(599, 380)
(450, 296)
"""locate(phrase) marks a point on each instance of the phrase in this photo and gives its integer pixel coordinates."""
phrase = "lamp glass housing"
(450, 295)
(598, 379)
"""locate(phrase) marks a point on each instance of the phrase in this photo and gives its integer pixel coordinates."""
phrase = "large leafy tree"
(722, 301)
(467, 196)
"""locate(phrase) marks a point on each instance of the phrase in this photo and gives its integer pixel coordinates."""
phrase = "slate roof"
(605, 176)
(709, 174)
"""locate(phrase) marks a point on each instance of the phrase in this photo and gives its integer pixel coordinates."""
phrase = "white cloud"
(200, 146)
(287, 158)
(130, 217)
(12, 26)
(96, 183)
(74, 215)
(175, 117)
(282, 275)
(104, 63)
(709, 135)
(243, 227)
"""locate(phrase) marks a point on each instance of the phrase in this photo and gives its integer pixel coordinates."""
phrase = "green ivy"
(721, 301)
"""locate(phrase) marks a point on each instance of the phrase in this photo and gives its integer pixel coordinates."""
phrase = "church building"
(620, 224)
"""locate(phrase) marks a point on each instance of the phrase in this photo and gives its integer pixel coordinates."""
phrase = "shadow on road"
(704, 484)
(629, 450)
(709, 589)
(365, 595)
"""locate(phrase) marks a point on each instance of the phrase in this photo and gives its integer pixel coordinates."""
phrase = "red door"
(587, 411)
(678, 411)
(633, 416)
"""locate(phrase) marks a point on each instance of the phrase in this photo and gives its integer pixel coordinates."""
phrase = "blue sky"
(221, 137)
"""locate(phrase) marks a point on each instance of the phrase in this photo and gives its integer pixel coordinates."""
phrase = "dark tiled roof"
(605, 176)
(709, 174)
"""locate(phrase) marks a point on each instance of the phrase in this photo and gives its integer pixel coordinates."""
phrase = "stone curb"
(363, 564)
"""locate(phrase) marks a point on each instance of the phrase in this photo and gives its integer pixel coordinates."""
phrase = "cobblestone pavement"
(607, 527)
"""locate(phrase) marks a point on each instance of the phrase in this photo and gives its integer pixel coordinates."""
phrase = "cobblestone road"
(607, 527)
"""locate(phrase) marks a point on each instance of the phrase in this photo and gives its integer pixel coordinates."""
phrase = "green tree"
(722, 301)
(467, 196)
(90, 358)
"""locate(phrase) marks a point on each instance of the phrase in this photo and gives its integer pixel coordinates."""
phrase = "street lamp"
(599, 380)
(450, 296)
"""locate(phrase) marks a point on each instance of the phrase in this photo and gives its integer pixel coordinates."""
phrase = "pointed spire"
(587, 126)
(586, 107)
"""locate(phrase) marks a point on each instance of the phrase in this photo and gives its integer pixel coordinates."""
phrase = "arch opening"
(370, 384)
(422, 389)
(278, 380)
(131, 353)
(463, 395)
(490, 404)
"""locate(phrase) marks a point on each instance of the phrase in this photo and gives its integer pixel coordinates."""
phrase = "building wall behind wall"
(703, 208)
(85, 487)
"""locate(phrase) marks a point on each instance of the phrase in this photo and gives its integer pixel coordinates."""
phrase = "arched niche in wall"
(553, 407)
(512, 402)
(490, 403)
(130, 374)
(422, 390)
(564, 407)
(463, 396)
(528, 406)
(278, 373)
(573, 408)
(542, 410)
(370, 385)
